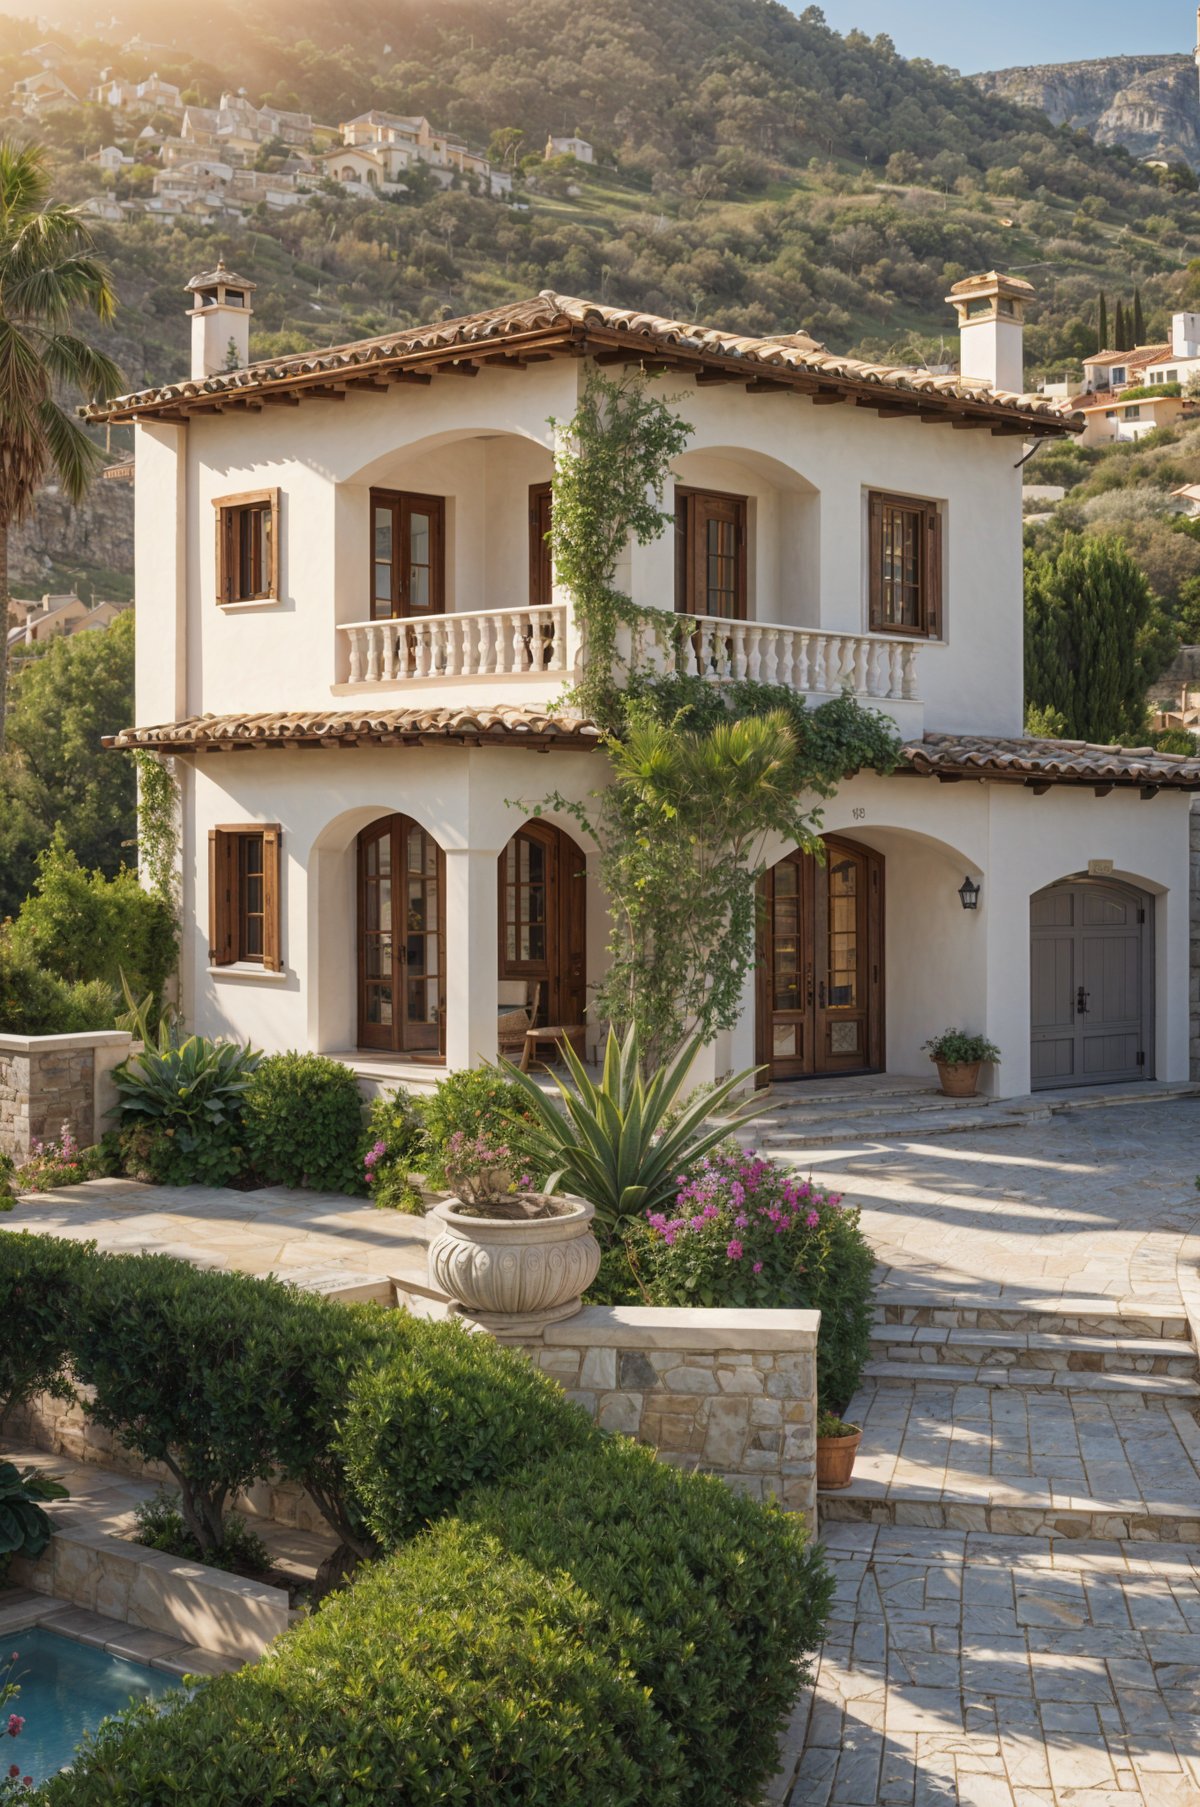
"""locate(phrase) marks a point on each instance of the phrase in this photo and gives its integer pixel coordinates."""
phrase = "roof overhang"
(504, 725)
(1042, 765)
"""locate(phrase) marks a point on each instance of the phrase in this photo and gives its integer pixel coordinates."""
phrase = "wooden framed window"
(905, 573)
(541, 572)
(408, 554)
(710, 554)
(243, 896)
(248, 547)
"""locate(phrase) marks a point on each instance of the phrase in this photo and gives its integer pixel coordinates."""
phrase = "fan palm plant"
(48, 273)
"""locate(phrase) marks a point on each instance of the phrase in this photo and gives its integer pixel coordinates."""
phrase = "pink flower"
(734, 1250)
(757, 1268)
(15, 1724)
(14, 1769)
(812, 1220)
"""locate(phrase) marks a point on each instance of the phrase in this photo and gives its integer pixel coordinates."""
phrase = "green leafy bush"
(391, 1149)
(162, 1526)
(453, 1672)
(36, 1002)
(710, 1598)
(193, 1369)
(959, 1047)
(190, 1098)
(303, 1122)
(25, 1529)
(621, 1143)
(41, 1280)
(441, 1412)
(478, 1101)
(83, 926)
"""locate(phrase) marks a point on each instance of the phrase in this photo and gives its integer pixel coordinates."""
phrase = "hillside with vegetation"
(754, 168)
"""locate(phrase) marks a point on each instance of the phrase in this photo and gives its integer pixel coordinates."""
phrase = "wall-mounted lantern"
(968, 893)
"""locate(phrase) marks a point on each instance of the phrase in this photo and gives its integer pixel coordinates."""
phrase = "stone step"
(827, 1132)
(1139, 1317)
(1032, 1380)
(938, 1348)
(1013, 1510)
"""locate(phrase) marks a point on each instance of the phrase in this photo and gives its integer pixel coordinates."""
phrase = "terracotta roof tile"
(505, 724)
(1051, 761)
(561, 321)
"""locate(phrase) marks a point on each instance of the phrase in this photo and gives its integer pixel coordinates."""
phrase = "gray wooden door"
(1091, 974)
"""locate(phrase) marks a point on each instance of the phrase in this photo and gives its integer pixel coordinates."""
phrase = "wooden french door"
(401, 939)
(543, 919)
(820, 977)
(1091, 985)
(408, 534)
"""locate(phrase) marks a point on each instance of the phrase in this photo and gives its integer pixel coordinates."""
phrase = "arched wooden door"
(820, 975)
(401, 939)
(1091, 984)
(543, 919)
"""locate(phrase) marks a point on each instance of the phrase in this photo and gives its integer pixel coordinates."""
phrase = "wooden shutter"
(222, 889)
(541, 576)
(270, 527)
(225, 562)
(932, 574)
(875, 562)
(272, 924)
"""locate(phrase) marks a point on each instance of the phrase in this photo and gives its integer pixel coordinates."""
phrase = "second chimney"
(991, 324)
(220, 316)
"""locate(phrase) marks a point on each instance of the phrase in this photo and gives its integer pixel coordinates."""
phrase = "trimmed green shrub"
(303, 1122)
(440, 1413)
(41, 1282)
(392, 1149)
(190, 1098)
(36, 1002)
(161, 1526)
(709, 1597)
(82, 926)
(452, 1675)
(479, 1101)
(197, 1370)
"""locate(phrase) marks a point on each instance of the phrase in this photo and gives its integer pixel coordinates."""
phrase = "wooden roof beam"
(409, 376)
(827, 398)
(765, 385)
(281, 398)
(1039, 786)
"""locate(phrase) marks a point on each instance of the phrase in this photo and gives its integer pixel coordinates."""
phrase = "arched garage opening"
(1091, 983)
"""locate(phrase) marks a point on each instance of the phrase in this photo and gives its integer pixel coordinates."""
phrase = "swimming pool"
(66, 1690)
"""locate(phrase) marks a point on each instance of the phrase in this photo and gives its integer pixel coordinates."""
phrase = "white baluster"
(420, 643)
(372, 655)
(559, 617)
(775, 643)
(801, 675)
(908, 687)
(519, 645)
(751, 639)
(355, 638)
(820, 646)
(859, 667)
(387, 636)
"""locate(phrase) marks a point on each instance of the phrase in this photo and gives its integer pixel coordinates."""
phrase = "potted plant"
(513, 1258)
(837, 1446)
(958, 1056)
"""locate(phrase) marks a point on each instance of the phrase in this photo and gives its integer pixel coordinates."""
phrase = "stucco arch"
(378, 468)
(783, 524)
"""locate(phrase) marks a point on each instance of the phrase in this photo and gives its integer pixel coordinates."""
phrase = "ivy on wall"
(158, 825)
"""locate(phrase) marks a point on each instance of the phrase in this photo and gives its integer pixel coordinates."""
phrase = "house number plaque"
(1100, 868)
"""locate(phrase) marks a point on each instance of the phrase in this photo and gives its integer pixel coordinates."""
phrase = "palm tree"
(47, 273)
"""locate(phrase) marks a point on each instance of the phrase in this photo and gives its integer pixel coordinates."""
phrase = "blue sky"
(971, 36)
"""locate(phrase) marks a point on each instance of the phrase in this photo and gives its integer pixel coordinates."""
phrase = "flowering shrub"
(478, 1169)
(12, 1783)
(59, 1163)
(478, 1101)
(390, 1151)
(743, 1232)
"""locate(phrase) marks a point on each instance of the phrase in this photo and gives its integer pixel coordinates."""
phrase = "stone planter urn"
(514, 1274)
(959, 1079)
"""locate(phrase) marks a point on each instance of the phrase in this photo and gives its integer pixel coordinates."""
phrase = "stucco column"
(472, 963)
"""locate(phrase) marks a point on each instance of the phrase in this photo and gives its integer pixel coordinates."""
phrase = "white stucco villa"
(350, 639)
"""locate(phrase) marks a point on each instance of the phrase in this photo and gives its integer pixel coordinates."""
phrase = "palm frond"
(72, 361)
(76, 458)
(44, 281)
(24, 182)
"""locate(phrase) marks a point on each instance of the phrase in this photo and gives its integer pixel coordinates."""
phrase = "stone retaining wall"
(49, 1080)
(733, 1393)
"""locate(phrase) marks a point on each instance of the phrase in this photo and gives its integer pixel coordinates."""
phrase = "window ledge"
(246, 969)
(255, 602)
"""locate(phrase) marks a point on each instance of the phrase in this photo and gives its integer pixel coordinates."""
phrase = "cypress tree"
(1119, 342)
(1102, 329)
(1139, 319)
(1093, 639)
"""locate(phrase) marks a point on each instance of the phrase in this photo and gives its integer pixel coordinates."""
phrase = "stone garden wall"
(49, 1080)
(733, 1393)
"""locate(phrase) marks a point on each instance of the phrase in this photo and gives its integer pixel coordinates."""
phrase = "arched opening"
(543, 921)
(820, 975)
(1091, 983)
(401, 939)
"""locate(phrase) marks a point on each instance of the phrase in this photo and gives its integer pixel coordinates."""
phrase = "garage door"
(1091, 985)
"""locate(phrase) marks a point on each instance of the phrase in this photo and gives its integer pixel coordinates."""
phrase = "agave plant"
(623, 1143)
(25, 1529)
(190, 1088)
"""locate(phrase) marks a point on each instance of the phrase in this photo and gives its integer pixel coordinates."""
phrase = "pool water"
(66, 1690)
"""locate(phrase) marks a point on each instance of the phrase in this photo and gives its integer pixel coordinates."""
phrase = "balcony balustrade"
(474, 644)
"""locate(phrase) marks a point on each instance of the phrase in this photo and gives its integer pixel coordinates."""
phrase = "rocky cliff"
(1149, 104)
(63, 548)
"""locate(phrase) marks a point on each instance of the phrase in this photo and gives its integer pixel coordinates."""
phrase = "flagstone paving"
(1017, 1620)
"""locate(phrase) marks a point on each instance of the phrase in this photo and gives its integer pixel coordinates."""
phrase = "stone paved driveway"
(967, 1668)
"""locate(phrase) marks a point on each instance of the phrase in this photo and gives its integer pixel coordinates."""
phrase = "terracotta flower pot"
(515, 1274)
(960, 1080)
(835, 1461)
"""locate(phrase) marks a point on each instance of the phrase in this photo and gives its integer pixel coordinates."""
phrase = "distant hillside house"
(50, 616)
(1114, 419)
(399, 140)
(152, 95)
(579, 148)
(45, 92)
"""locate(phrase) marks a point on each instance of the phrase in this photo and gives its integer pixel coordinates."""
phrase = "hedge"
(302, 1119)
(559, 1618)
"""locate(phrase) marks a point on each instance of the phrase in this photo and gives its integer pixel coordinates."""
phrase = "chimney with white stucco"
(991, 324)
(220, 315)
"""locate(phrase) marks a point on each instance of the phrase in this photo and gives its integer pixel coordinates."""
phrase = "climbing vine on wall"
(158, 825)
